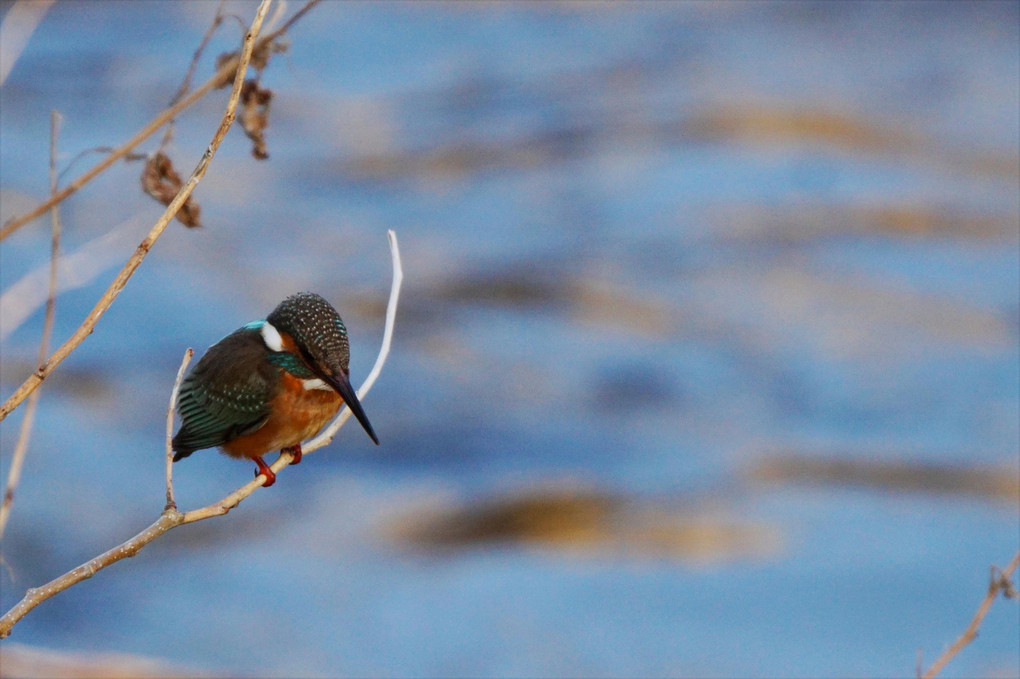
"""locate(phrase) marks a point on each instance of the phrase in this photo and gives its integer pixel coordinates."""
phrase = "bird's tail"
(180, 452)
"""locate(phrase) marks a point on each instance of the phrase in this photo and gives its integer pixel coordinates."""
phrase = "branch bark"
(83, 331)
(171, 517)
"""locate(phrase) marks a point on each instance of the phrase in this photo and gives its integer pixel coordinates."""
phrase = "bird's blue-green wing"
(227, 395)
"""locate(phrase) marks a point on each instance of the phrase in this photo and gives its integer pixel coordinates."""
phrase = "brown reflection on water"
(584, 521)
(993, 483)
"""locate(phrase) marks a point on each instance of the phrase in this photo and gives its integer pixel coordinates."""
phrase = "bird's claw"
(295, 451)
(265, 470)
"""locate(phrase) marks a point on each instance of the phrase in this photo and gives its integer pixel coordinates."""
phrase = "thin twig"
(999, 582)
(97, 149)
(83, 331)
(36, 595)
(25, 432)
(224, 71)
(170, 504)
(186, 82)
(171, 517)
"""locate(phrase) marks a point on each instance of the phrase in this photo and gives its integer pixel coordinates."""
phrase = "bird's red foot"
(294, 450)
(263, 468)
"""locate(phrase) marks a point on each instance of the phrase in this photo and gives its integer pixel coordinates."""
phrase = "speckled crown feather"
(315, 325)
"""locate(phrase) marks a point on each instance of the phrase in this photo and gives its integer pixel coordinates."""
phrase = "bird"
(269, 385)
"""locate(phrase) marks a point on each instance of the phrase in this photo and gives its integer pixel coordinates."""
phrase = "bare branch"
(83, 331)
(35, 596)
(1000, 582)
(171, 517)
(21, 447)
(224, 72)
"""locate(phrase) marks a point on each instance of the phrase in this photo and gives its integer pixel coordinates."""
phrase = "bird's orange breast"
(296, 414)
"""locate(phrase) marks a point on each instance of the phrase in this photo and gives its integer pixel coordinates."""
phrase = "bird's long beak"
(343, 387)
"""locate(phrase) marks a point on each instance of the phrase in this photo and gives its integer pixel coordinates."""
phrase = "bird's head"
(320, 341)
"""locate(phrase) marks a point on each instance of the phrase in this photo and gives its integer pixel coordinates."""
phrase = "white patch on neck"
(271, 336)
(315, 383)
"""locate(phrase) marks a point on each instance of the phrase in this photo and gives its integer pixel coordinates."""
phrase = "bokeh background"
(706, 362)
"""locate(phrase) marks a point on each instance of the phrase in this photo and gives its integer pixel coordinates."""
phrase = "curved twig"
(171, 517)
(327, 434)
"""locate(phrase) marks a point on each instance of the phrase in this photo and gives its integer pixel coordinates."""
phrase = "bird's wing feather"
(227, 395)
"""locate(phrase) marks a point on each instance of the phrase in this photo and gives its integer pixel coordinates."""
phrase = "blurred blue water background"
(661, 259)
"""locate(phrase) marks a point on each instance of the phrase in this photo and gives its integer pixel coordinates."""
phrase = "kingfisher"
(269, 385)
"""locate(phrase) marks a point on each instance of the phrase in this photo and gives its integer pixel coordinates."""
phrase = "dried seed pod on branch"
(255, 115)
(161, 181)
